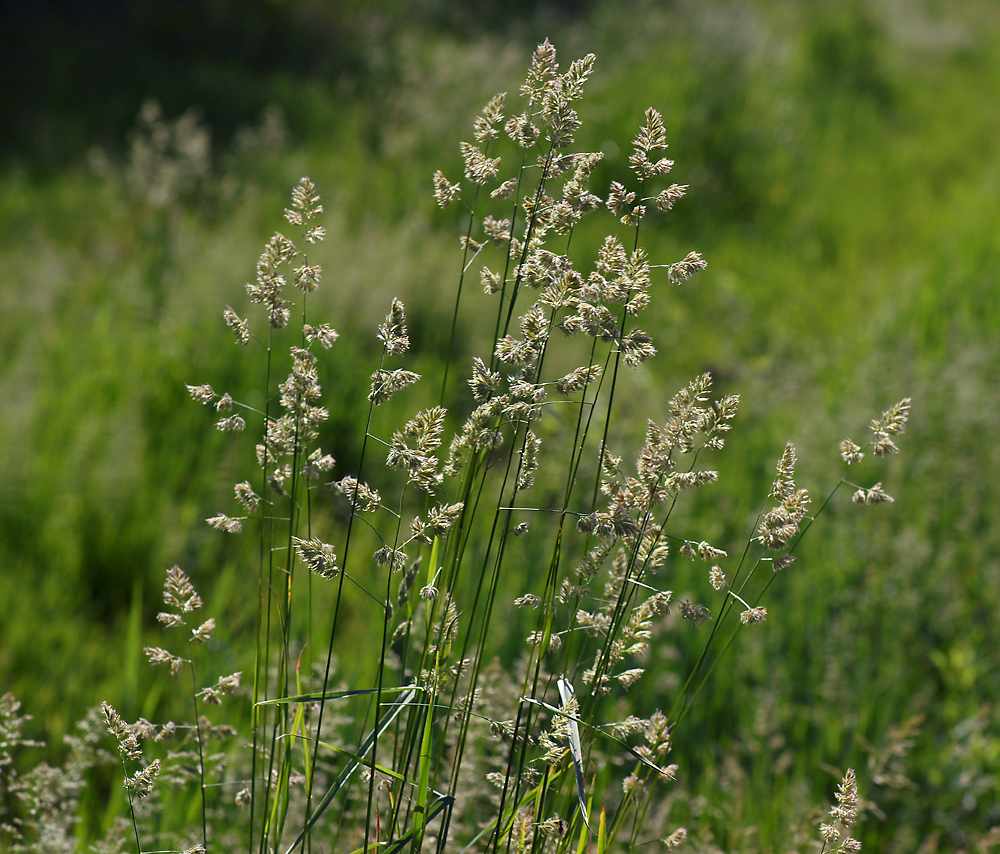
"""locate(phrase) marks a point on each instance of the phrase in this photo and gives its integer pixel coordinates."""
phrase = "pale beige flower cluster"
(844, 815)
(298, 424)
(891, 423)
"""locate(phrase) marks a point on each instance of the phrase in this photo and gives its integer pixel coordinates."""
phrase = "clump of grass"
(497, 573)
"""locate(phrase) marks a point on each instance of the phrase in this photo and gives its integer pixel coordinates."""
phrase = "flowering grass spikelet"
(241, 329)
(892, 423)
(479, 168)
(179, 592)
(224, 686)
(229, 524)
(392, 333)
(141, 783)
(203, 632)
(361, 496)
(128, 744)
(445, 192)
(753, 615)
(693, 263)
(158, 657)
(202, 393)
(850, 452)
(318, 556)
(386, 383)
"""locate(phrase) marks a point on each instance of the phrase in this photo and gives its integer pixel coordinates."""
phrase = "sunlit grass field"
(843, 172)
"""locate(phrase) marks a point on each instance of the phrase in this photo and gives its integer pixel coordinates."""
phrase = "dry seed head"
(894, 419)
(829, 833)
(850, 452)
(846, 811)
(240, 328)
(884, 446)
(392, 333)
(570, 84)
(225, 686)
(179, 592)
(305, 202)
(707, 552)
(128, 744)
(316, 234)
(636, 347)
(562, 120)
(440, 519)
(522, 131)
(628, 678)
(386, 383)
(782, 562)
(393, 558)
(784, 483)
(470, 244)
(486, 124)
(141, 783)
(204, 631)
(753, 615)
(320, 557)
(666, 199)
(694, 613)
(323, 333)
(541, 73)
(578, 379)
(306, 278)
(279, 315)
(497, 230)
(652, 135)
(877, 495)
(479, 168)
(161, 657)
(514, 352)
(874, 495)
(484, 382)
(444, 191)
(620, 199)
(717, 577)
(529, 461)
(318, 464)
(505, 190)
(693, 263)
(232, 424)
(493, 111)
(170, 621)
(202, 393)
(892, 422)
(675, 838)
(228, 524)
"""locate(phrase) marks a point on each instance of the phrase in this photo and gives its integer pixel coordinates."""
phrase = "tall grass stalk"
(503, 591)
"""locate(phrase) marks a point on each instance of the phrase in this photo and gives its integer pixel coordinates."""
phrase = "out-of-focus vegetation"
(844, 171)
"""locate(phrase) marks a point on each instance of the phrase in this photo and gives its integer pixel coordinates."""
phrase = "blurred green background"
(844, 168)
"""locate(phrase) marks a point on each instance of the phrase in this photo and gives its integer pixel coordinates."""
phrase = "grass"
(897, 608)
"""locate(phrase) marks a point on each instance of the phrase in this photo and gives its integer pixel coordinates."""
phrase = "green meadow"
(842, 161)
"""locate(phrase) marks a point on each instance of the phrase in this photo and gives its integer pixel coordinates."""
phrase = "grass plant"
(452, 633)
